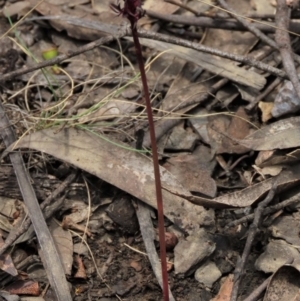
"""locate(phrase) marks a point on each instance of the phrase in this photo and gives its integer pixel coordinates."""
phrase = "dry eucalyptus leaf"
(181, 139)
(111, 109)
(79, 210)
(286, 228)
(210, 63)
(277, 253)
(161, 6)
(77, 23)
(277, 157)
(17, 8)
(194, 171)
(284, 285)
(128, 170)
(272, 170)
(64, 244)
(223, 131)
(278, 135)
(249, 195)
(263, 6)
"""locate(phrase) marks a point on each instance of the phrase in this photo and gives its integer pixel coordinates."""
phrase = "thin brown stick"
(238, 58)
(208, 22)
(253, 28)
(262, 95)
(284, 43)
(269, 210)
(51, 259)
(258, 291)
(150, 35)
(239, 269)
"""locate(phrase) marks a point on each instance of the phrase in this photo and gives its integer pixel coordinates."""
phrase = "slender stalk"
(133, 11)
(159, 198)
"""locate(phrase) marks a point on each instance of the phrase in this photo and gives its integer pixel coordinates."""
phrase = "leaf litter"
(215, 168)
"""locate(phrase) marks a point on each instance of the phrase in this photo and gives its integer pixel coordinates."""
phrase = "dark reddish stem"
(159, 199)
(133, 11)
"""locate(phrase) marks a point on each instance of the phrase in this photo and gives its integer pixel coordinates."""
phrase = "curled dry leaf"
(266, 109)
(136, 265)
(80, 268)
(171, 240)
(284, 285)
(277, 157)
(276, 254)
(225, 290)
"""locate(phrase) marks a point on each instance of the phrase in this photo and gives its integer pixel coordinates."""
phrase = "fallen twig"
(51, 258)
(18, 230)
(255, 30)
(239, 269)
(269, 210)
(150, 35)
(258, 291)
(284, 43)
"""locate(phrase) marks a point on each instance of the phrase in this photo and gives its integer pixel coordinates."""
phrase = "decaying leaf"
(9, 212)
(249, 195)
(64, 244)
(17, 8)
(225, 290)
(223, 131)
(277, 157)
(287, 228)
(23, 287)
(278, 135)
(284, 285)
(78, 31)
(6, 263)
(194, 171)
(127, 170)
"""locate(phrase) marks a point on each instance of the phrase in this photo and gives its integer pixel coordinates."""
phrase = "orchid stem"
(159, 198)
(133, 12)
